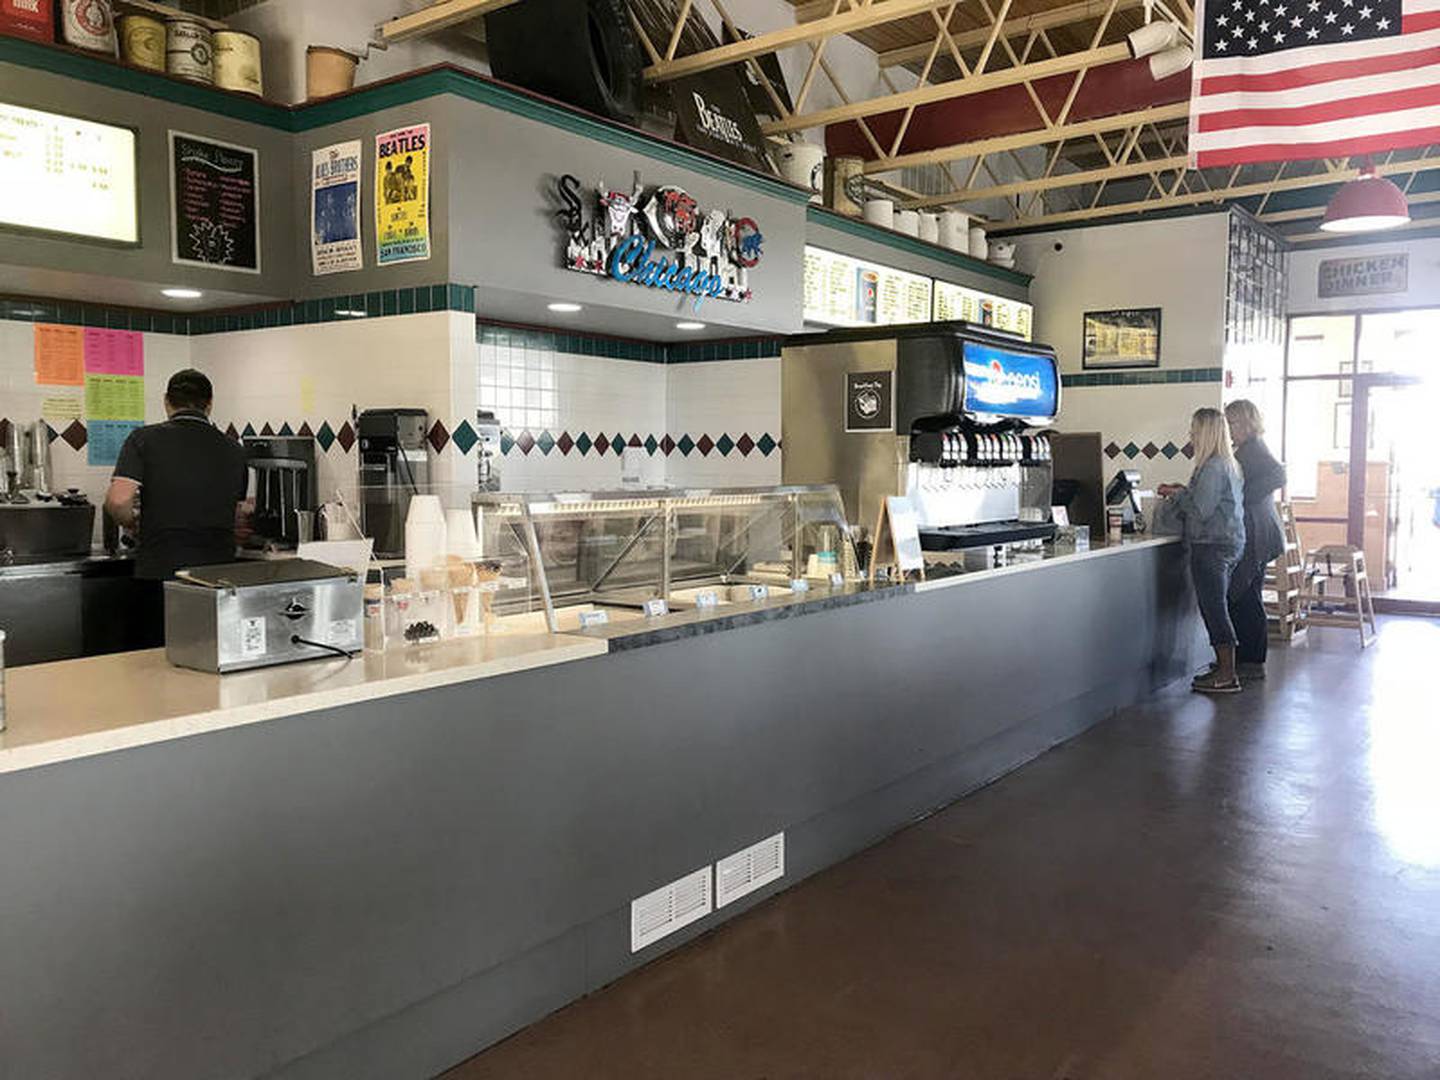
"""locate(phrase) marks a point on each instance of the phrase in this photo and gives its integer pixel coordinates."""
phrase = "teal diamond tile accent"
(1131, 450)
(583, 443)
(248, 432)
(325, 436)
(1170, 450)
(685, 445)
(617, 444)
(765, 444)
(286, 431)
(507, 442)
(546, 442)
(464, 437)
(724, 444)
(651, 445)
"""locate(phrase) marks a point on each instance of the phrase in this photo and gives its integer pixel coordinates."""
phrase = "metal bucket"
(237, 62)
(189, 50)
(88, 24)
(328, 71)
(142, 42)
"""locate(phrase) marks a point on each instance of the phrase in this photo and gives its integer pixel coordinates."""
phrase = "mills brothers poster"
(335, 209)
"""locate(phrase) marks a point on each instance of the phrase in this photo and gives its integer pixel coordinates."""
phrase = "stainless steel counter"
(61, 609)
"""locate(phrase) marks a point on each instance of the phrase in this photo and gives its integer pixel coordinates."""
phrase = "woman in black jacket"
(1264, 535)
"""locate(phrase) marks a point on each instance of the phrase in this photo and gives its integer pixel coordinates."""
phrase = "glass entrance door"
(1362, 445)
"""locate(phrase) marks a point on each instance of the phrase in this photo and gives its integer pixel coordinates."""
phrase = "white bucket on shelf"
(929, 228)
(880, 212)
(908, 222)
(979, 246)
(955, 231)
(803, 164)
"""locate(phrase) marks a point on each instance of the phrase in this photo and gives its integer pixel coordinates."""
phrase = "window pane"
(1322, 345)
(1317, 441)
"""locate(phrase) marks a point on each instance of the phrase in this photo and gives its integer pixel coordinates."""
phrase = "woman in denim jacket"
(1212, 509)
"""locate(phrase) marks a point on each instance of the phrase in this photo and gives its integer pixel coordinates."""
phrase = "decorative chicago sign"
(660, 238)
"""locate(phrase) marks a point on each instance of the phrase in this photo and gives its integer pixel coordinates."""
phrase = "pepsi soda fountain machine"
(952, 415)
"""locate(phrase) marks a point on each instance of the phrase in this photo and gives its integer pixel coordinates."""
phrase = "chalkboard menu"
(214, 203)
(67, 175)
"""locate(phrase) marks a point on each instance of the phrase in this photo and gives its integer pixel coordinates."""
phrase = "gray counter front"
(382, 888)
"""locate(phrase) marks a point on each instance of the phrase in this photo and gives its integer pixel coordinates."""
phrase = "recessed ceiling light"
(689, 326)
(564, 308)
(182, 294)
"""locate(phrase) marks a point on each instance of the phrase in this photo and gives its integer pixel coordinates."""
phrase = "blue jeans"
(1210, 568)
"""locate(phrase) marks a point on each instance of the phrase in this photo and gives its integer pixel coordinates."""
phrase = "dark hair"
(189, 389)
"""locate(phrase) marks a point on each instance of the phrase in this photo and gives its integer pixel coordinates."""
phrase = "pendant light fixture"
(1368, 203)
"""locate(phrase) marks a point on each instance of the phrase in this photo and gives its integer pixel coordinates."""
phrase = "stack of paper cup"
(929, 228)
(460, 539)
(908, 222)
(979, 246)
(424, 535)
(955, 231)
(880, 212)
(803, 164)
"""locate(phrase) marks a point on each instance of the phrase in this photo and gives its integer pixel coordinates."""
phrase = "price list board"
(957, 302)
(65, 175)
(841, 291)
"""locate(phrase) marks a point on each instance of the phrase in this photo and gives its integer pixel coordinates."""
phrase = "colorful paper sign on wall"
(114, 352)
(62, 408)
(59, 355)
(114, 397)
(335, 244)
(105, 437)
(402, 195)
(214, 204)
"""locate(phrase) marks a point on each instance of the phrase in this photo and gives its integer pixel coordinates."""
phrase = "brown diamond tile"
(346, 436)
(705, 444)
(525, 441)
(602, 443)
(565, 442)
(438, 436)
(1150, 450)
(75, 435)
(667, 445)
(744, 444)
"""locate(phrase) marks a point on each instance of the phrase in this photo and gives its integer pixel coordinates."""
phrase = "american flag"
(1294, 80)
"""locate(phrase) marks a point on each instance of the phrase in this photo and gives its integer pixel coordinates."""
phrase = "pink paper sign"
(114, 352)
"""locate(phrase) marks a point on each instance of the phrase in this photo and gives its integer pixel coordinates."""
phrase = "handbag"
(1166, 519)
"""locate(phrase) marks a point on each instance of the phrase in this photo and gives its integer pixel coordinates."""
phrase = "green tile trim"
(1147, 377)
(423, 298)
(912, 246)
(430, 82)
(648, 352)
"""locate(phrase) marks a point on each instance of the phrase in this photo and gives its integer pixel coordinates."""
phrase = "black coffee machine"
(282, 481)
(394, 464)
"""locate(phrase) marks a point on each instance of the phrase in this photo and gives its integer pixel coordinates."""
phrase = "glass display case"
(622, 549)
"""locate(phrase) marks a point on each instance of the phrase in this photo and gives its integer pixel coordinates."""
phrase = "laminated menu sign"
(402, 195)
(114, 397)
(335, 209)
(842, 291)
(214, 204)
(114, 352)
(105, 437)
(59, 355)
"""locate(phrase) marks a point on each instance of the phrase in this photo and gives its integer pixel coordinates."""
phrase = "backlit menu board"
(66, 175)
(841, 291)
(958, 302)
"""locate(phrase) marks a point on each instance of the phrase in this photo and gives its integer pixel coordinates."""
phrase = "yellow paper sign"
(402, 195)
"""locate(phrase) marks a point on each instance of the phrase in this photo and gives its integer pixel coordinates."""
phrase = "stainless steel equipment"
(282, 481)
(487, 451)
(49, 528)
(256, 614)
(394, 464)
(950, 415)
(38, 472)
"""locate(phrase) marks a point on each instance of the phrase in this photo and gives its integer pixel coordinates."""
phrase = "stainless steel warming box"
(255, 614)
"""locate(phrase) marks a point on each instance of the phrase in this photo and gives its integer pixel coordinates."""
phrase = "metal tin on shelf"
(142, 41)
(189, 50)
(88, 24)
(237, 62)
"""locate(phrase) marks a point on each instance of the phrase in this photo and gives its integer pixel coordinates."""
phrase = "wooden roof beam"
(1015, 26)
(1218, 195)
(440, 15)
(1051, 182)
(845, 22)
(949, 91)
(999, 144)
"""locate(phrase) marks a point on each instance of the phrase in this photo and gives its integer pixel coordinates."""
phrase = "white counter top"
(1022, 563)
(77, 708)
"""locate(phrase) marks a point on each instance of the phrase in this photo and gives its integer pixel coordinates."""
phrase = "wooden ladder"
(1285, 583)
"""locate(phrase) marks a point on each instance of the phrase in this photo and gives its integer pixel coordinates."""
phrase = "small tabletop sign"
(706, 601)
(590, 619)
(900, 526)
(655, 607)
(1060, 516)
(759, 592)
(799, 584)
(837, 580)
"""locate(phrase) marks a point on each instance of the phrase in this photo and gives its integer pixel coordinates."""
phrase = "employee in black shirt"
(189, 478)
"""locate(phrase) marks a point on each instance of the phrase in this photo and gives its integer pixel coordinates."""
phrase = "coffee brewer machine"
(393, 466)
(951, 415)
(487, 451)
(282, 482)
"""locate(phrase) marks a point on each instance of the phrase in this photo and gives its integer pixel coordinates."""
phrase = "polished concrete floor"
(1245, 888)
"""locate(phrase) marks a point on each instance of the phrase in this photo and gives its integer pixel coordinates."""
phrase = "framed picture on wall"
(1123, 338)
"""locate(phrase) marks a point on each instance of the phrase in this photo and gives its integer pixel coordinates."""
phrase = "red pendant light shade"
(1366, 204)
